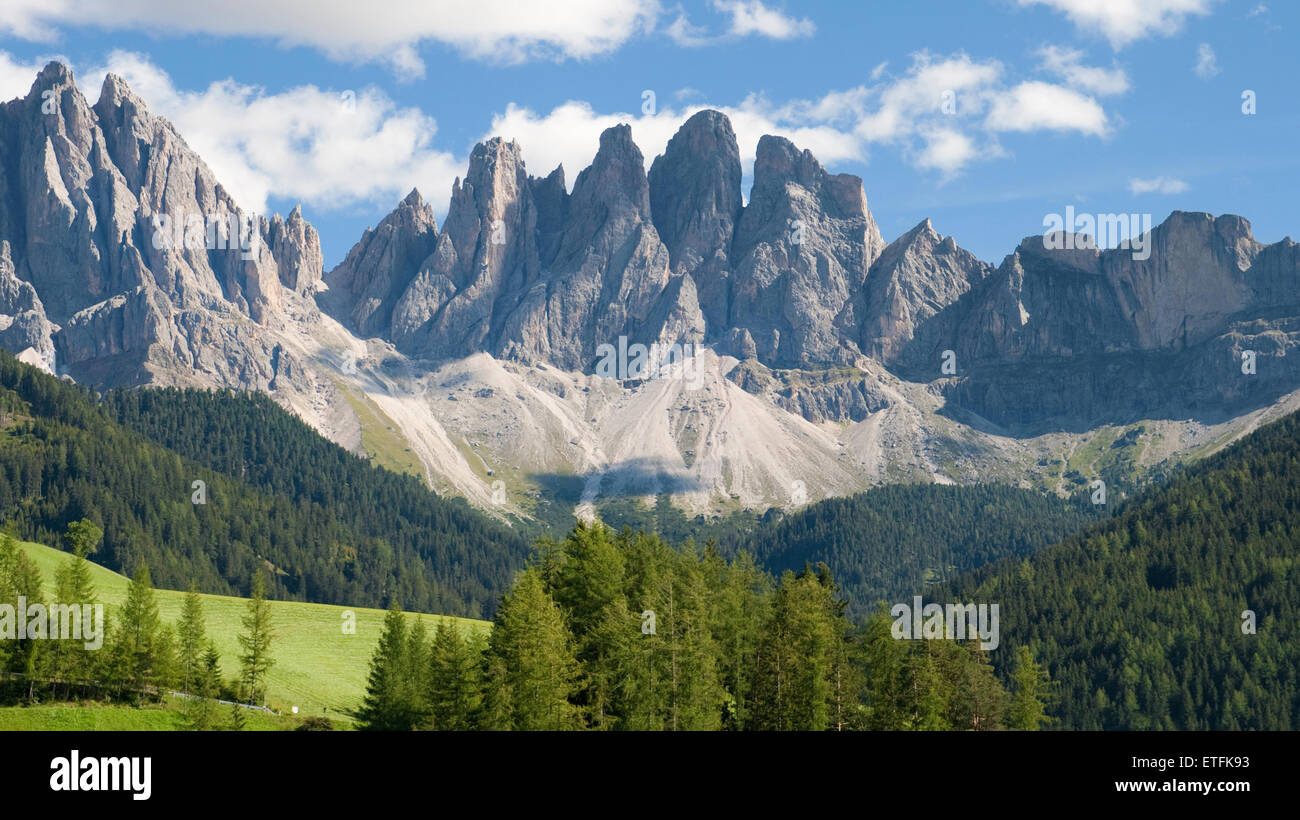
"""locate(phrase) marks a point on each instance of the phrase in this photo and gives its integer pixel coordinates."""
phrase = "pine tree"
(1031, 684)
(532, 663)
(138, 626)
(799, 685)
(416, 675)
(255, 660)
(19, 577)
(388, 705)
(455, 680)
(928, 691)
(192, 635)
(740, 610)
(589, 587)
(886, 660)
(70, 660)
(201, 710)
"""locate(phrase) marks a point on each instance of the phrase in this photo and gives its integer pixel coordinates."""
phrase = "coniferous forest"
(891, 541)
(1182, 611)
(273, 495)
(618, 631)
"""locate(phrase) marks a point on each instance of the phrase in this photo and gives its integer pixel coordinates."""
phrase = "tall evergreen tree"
(201, 709)
(799, 685)
(135, 647)
(589, 586)
(191, 638)
(389, 703)
(255, 660)
(455, 679)
(70, 661)
(740, 609)
(1030, 687)
(534, 670)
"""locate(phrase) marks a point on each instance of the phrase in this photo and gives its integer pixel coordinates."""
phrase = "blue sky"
(1105, 105)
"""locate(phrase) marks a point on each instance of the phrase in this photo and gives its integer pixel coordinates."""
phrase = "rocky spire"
(916, 276)
(695, 199)
(367, 284)
(802, 247)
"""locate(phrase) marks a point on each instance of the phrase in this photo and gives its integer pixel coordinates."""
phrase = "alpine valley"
(467, 352)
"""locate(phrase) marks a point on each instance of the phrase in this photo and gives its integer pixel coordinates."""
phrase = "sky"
(985, 116)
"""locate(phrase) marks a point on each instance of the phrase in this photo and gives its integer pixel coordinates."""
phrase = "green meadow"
(318, 667)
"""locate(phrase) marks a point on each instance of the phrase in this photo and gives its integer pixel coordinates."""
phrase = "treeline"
(273, 491)
(890, 542)
(68, 648)
(1180, 612)
(622, 631)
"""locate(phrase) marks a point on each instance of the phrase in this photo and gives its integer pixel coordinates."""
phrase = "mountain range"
(826, 359)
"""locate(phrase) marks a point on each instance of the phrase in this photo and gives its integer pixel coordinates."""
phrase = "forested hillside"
(890, 542)
(1143, 619)
(275, 495)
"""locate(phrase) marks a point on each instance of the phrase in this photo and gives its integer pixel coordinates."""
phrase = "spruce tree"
(416, 676)
(255, 660)
(455, 679)
(534, 668)
(1030, 685)
(70, 660)
(388, 702)
(19, 577)
(201, 709)
(137, 633)
(191, 637)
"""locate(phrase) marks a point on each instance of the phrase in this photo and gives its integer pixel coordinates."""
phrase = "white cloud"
(1066, 64)
(747, 18)
(1207, 65)
(1039, 106)
(388, 31)
(752, 17)
(323, 147)
(1125, 21)
(685, 33)
(945, 150)
(1158, 185)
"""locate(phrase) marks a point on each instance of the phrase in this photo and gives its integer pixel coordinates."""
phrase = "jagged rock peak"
(617, 174)
(695, 189)
(55, 72)
(777, 161)
(377, 270)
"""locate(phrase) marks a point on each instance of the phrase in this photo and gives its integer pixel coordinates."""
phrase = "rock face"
(1076, 337)
(524, 270)
(135, 257)
(23, 326)
(916, 277)
(802, 249)
(379, 268)
(695, 201)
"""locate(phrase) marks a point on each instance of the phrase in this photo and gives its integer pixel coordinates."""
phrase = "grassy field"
(317, 667)
(99, 717)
